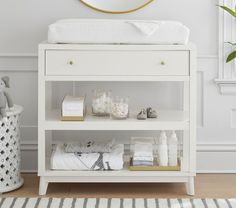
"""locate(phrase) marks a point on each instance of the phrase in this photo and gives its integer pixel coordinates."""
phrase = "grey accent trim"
(13, 203)
(73, 203)
(85, 202)
(49, 202)
(168, 203)
(157, 203)
(2, 200)
(122, 203)
(25, 202)
(192, 203)
(204, 203)
(61, 203)
(133, 203)
(181, 203)
(145, 203)
(228, 202)
(216, 202)
(97, 202)
(109, 203)
(37, 203)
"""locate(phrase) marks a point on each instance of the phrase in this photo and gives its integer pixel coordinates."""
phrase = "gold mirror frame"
(116, 12)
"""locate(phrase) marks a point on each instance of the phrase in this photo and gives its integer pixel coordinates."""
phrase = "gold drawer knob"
(163, 63)
(70, 62)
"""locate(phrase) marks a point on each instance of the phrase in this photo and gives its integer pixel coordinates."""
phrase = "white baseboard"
(211, 158)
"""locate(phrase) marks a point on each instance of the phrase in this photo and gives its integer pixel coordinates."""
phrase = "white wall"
(24, 24)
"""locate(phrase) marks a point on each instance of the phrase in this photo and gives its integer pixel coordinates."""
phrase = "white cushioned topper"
(108, 31)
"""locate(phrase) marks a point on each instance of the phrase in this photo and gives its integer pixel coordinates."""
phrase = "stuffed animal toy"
(5, 99)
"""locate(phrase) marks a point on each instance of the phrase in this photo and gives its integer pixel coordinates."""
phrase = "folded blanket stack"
(107, 158)
(143, 154)
(90, 146)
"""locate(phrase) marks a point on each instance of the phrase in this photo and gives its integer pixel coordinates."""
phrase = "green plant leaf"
(230, 11)
(233, 44)
(231, 56)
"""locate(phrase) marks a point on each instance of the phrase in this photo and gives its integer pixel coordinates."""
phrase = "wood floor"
(207, 186)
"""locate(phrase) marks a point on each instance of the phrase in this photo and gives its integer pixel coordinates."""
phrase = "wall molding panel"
(19, 63)
(201, 95)
(226, 79)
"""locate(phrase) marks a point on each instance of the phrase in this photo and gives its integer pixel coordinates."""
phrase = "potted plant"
(232, 55)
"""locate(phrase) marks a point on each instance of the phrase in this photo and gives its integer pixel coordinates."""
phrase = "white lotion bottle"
(163, 150)
(173, 149)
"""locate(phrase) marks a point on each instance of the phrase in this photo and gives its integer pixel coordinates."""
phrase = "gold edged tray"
(155, 167)
(72, 118)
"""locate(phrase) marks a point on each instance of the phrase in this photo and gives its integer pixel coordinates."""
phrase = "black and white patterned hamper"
(10, 158)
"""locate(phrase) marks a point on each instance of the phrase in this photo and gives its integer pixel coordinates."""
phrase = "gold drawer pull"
(71, 63)
(163, 63)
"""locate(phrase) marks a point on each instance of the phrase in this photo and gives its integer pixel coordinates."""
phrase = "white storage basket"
(10, 158)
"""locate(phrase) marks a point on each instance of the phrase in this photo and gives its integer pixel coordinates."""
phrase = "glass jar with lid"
(101, 102)
(120, 108)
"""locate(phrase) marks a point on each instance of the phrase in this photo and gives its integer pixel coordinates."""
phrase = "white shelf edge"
(120, 173)
(140, 78)
(165, 121)
(119, 179)
(226, 86)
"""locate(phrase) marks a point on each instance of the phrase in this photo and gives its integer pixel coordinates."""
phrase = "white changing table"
(84, 62)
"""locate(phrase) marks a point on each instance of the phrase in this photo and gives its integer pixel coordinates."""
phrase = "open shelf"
(122, 173)
(118, 78)
(174, 120)
(125, 172)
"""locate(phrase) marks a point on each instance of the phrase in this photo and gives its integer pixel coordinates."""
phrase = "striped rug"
(115, 203)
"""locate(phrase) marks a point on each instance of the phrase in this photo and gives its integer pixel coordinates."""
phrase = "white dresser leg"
(43, 185)
(190, 186)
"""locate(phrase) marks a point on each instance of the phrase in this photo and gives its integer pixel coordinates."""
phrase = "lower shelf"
(120, 173)
(117, 177)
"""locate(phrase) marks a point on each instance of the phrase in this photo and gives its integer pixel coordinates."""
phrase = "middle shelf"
(167, 119)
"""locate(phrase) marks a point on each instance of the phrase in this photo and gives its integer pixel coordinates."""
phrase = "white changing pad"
(108, 31)
(60, 160)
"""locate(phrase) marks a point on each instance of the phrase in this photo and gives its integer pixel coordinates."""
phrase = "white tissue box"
(73, 108)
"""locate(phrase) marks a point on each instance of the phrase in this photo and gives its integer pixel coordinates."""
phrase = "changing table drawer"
(123, 63)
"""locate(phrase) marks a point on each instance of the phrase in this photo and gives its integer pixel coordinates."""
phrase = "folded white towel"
(90, 145)
(142, 163)
(143, 150)
(146, 27)
(61, 160)
(143, 158)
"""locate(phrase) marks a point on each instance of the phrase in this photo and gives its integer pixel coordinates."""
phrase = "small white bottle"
(173, 149)
(163, 150)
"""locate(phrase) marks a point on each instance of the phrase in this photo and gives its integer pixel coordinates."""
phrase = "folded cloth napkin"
(90, 146)
(142, 163)
(61, 160)
(137, 158)
(143, 150)
(146, 27)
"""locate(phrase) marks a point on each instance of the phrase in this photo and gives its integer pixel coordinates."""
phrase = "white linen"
(143, 150)
(143, 158)
(90, 146)
(146, 27)
(60, 160)
(108, 31)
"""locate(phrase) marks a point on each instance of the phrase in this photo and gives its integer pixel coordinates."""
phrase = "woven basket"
(10, 158)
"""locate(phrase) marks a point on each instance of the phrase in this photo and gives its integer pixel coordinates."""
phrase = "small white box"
(73, 108)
